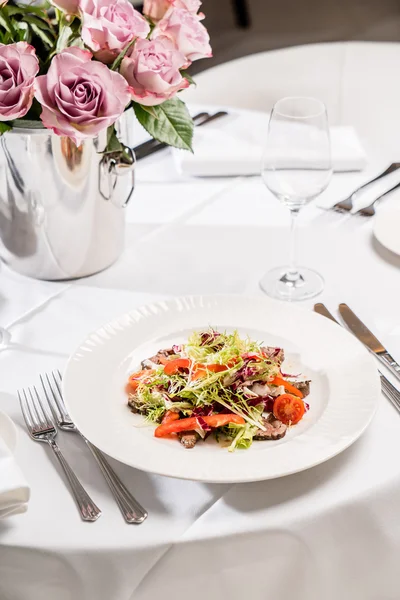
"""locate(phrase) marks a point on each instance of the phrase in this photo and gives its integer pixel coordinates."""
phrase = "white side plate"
(387, 228)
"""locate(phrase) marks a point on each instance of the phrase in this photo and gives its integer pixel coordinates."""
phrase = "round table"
(330, 532)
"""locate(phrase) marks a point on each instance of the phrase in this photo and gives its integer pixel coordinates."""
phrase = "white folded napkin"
(224, 152)
(14, 490)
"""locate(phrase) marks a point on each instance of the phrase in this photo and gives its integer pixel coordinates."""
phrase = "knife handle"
(389, 362)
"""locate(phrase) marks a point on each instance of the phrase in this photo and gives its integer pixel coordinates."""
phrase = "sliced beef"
(275, 354)
(189, 438)
(302, 386)
(161, 354)
(147, 363)
(274, 429)
(134, 406)
(157, 359)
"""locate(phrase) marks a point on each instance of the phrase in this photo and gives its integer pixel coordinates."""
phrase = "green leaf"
(151, 110)
(190, 79)
(26, 10)
(121, 55)
(113, 143)
(38, 22)
(46, 39)
(6, 23)
(172, 125)
(4, 127)
(24, 31)
(63, 38)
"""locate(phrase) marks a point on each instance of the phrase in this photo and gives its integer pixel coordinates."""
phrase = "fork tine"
(33, 409)
(50, 399)
(45, 418)
(58, 381)
(32, 415)
(25, 409)
(56, 391)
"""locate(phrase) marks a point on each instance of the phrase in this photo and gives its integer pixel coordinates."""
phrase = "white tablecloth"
(330, 532)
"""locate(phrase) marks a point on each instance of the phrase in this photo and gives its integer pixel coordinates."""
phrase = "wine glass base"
(276, 284)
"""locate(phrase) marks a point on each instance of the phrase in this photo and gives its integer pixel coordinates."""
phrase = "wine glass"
(296, 168)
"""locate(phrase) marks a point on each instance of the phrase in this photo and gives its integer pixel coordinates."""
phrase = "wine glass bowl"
(296, 168)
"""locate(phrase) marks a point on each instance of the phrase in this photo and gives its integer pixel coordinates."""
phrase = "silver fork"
(346, 205)
(369, 211)
(130, 508)
(41, 429)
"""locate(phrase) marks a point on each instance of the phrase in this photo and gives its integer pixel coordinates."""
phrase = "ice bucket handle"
(112, 166)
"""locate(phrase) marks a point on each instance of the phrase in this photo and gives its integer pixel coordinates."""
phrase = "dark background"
(282, 23)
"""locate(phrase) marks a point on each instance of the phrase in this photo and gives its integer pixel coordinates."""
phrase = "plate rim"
(190, 298)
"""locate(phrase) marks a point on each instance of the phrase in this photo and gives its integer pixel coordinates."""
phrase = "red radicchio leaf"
(203, 411)
(202, 424)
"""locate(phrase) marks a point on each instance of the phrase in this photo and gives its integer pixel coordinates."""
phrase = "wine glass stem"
(293, 274)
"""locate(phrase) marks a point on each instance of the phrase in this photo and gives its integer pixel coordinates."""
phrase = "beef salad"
(220, 384)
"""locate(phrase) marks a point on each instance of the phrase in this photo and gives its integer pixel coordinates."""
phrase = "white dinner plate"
(8, 431)
(345, 387)
(387, 228)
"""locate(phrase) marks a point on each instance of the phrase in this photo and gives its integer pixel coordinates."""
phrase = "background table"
(330, 532)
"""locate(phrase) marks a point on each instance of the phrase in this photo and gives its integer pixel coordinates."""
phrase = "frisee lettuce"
(181, 391)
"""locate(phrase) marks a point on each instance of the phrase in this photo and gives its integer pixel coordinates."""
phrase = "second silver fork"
(346, 205)
(130, 508)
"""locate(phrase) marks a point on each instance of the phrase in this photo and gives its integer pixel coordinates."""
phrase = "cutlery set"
(347, 205)
(42, 428)
(44, 413)
(367, 338)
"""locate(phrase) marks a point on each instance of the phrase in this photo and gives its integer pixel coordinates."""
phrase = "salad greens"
(216, 381)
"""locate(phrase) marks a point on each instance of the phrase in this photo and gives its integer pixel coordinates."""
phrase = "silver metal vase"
(62, 206)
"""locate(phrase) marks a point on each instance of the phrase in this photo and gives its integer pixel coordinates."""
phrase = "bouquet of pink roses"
(77, 65)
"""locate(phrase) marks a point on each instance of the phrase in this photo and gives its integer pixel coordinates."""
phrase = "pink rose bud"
(108, 26)
(156, 9)
(152, 71)
(186, 32)
(80, 97)
(18, 68)
(70, 7)
(190, 5)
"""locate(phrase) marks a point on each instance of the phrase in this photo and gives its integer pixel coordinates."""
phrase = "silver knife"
(388, 388)
(368, 339)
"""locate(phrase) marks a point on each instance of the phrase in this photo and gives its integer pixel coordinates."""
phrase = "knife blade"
(322, 310)
(368, 339)
(388, 388)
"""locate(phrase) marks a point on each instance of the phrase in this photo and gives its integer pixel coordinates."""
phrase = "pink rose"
(152, 71)
(156, 9)
(3, 2)
(80, 97)
(71, 7)
(190, 5)
(108, 26)
(18, 68)
(186, 32)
